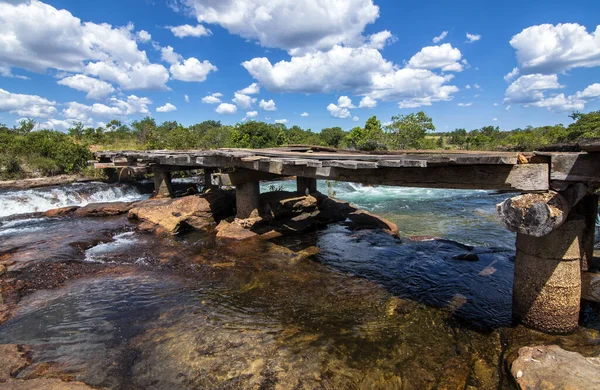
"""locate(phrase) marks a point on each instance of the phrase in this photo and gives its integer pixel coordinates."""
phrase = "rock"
(233, 231)
(367, 219)
(2, 269)
(333, 210)
(551, 367)
(281, 204)
(12, 360)
(60, 211)
(590, 286)
(190, 212)
(104, 209)
(42, 182)
(467, 257)
(43, 384)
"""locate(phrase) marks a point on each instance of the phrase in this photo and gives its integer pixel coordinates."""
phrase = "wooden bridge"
(554, 216)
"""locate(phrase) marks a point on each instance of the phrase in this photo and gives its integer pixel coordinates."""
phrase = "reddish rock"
(60, 211)
(12, 360)
(104, 209)
(233, 231)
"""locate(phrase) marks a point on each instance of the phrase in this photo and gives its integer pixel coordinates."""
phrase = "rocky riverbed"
(311, 293)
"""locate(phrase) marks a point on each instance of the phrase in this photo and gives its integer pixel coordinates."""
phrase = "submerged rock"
(190, 212)
(551, 367)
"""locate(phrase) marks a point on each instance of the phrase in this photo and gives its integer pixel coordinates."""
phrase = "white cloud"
(212, 99)
(495, 119)
(495, 104)
(560, 103)
(355, 119)
(591, 92)
(226, 108)
(283, 121)
(510, 76)
(290, 24)
(166, 108)
(381, 39)
(252, 89)
(42, 37)
(96, 89)
(267, 105)
(143, 36)
(345, 102)
(440, 37)
(116, 108)
(55, 124)
(168, 54)
(467, 86)
(252, 114)
(243, 101)
(444, 57)
(338, 112)
(367, 102)
(305, 114)
(465, 104)
(507, 108)
(189, 31)
(187, 98)
(29, 106)
(473, 38)
(530, 88)
(551, 49)
(190, 69)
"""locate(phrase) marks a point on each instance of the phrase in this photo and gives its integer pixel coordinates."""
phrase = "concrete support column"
(162, 184)
(588, 208)
(547, 280)
(247, 199)
(304, 184)
(208, 179)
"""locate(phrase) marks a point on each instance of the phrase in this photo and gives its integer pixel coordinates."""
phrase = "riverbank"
(24, 184)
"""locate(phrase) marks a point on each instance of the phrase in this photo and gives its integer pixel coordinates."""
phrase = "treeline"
(28, 152)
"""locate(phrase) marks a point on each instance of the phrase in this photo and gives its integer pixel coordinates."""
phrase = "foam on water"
(79, 194)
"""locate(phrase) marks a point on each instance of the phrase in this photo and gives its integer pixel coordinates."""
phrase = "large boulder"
(190, 212)
(551, 367)
(104, 209)
(283, 204)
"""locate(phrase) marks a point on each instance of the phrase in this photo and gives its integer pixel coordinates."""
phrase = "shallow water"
(364, 310)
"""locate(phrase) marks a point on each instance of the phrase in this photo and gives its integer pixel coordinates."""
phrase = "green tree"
(585, 126)
(409, 131)
(332, 136)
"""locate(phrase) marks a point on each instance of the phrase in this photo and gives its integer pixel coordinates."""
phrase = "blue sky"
(466, 64)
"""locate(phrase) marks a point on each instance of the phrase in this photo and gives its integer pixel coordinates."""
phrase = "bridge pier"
(162, 184)
(304, 184)
(247, 199)
(547, 278)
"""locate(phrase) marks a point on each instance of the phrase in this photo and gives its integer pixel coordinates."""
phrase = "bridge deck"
(434, 169)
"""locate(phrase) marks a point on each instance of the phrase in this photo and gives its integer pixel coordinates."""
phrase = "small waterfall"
(77, 194)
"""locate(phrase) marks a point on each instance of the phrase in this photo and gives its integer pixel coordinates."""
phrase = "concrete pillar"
(208, 179)
(588, 208)
(162, 184)
(547, 280)
(304, 184)
(247, 199)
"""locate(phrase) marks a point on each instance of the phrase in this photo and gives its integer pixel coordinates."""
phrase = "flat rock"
(12, 360)
(551, 367)
(43, 384)
(367, 219)
(187, 213)
(104, 209)
(62, 211)
(233, 231)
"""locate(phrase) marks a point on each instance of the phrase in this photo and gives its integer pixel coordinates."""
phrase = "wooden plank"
(402, 163)
(350, 164)
(575, 167)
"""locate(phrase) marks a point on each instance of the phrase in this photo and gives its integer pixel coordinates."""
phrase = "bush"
(10, 167)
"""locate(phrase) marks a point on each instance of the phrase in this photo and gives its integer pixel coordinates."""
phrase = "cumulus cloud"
(243, 101)
(267, 105)
(530, 88)
(143, 36)
(29, 106)
(55, 124)
(367, 102)
(551, 49)
(305, 114)
(591, 92)
(96, 89)
(189, 31)
(289, 24)
(190, 69)
(115, 108)
(110, 53)
(338, 112)
(226, 108)
(473, 38)
(252, 114)
(355, 119)
(440, 37)
(345, 102)
(510, 76)
(166, 108)
(465, 104)
(212, 99)
(283, 121)
(252, 89)
(444, 57)
(381, 39)
(187, 98)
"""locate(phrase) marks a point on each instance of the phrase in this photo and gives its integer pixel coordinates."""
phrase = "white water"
(100, 252)
(78, 194)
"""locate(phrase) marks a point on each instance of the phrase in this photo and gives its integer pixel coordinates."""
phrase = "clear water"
(366, 310)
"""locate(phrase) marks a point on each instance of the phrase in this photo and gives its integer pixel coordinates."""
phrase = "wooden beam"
(575, 167)
(241, 177)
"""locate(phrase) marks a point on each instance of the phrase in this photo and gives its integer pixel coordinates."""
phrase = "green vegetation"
(28, 152)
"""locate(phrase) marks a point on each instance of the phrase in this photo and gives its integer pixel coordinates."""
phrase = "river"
(115, 308)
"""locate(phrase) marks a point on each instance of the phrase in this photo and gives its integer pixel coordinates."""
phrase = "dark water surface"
(333, 309)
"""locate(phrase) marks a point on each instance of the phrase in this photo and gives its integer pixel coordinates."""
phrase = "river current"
(335, 309)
